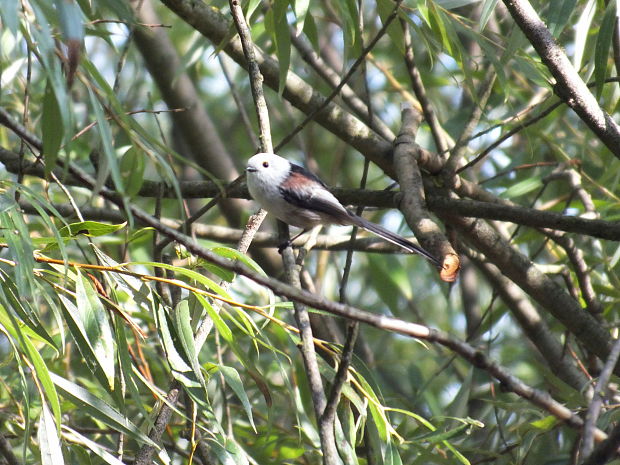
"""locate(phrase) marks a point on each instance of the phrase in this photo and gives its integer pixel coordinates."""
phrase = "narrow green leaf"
(191, 274)
(73, 436)
(311, 32)
(43, 374)
(559, 15)
(168, 338)
(99, 409)
(49, 441)
(109, 163)
(8, 13)
(301, 11)
(485, 14)
(234, 381)
(70, 17)
(603, 47)
(582, 32)
(234, 254)
(522, 188)
(90, 229)
(219, 323)
(439, 27)
(395, 31)
(392, 457)
(452, 4)
(13, 328)
(75, 324)
(545, 423)
(132, 170)
(249, 7)
(96, 325)
(52, 129)
(186, 336)
(30, 323)
(281, 36)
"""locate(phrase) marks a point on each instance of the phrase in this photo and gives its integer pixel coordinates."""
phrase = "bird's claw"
(284, 245)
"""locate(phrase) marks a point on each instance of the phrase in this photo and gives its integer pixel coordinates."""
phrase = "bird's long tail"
(392, 237)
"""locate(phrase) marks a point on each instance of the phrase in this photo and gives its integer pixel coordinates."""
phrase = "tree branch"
(319, 401)
(533, 325)
(594, 409)
(540, 287)
(211, 23)
(569, 85)
(412, 202)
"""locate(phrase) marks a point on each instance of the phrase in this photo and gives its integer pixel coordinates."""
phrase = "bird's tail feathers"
(392, 237)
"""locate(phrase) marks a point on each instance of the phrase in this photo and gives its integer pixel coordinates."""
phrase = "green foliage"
(96, 324)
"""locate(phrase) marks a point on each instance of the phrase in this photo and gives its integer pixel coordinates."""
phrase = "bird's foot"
(284, 245)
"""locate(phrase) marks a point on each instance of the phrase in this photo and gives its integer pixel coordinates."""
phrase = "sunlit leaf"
(234, 381)
(94, 320)
(48, 438)
(99, 409)
(90, 229)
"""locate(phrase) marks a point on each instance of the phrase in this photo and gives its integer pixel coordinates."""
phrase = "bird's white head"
(269, 168)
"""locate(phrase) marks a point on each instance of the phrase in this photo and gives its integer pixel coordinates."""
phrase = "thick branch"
(540, 287)
(534, 326)
(569, 85)
(381, 199)
(412, 201)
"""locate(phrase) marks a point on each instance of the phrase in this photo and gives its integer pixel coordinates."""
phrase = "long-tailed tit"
(297, 197)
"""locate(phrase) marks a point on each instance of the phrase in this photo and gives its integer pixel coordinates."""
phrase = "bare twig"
(534, 282)
(606, 450)
(347, 94)
(594, 409)
(569, 85)
(547, 111)
(533, 325)
(457, 152)
(319, 401)
(329, 414)
(439, 135)
(256, 77)
(238, 101)
(310, 116)
(146, 452)
(7, 452)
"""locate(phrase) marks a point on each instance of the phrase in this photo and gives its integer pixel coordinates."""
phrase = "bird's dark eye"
(265, 164)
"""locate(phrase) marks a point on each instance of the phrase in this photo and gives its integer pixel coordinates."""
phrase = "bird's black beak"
(251, 170)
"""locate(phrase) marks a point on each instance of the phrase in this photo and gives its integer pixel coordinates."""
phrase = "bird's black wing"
(312, 195)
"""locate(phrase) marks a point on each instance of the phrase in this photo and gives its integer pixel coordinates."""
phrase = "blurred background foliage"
(88, 355)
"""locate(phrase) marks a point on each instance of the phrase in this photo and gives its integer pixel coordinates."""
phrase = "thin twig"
(460, 146)
(146, 452)
(319, 401)
(569, 85)
(245, 119)
(594, 409)
(345, 79)
(347, 94)
(606, 450)
(256, 78)
(7, 452)
(437, 131)
(508, 135)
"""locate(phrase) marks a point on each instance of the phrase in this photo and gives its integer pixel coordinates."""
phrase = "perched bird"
(296, 196)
